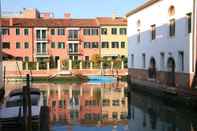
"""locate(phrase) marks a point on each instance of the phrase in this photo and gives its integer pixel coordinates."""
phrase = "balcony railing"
(42, 54)
(76, 52)
(73, 38)
(41, 39)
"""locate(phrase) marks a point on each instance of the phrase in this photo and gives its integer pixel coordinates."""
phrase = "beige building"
(113, 36)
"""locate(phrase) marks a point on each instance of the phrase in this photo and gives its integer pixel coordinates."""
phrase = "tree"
(96, 59)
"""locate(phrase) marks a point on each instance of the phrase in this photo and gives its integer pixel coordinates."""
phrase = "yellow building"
(113, 36)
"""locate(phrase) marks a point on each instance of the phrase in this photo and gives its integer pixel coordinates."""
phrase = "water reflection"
(92, 106)
(148, 113)
(105, 107)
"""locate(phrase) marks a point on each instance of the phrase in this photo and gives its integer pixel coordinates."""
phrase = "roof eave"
(139, 8)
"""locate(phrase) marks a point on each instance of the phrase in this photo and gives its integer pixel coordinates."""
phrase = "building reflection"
(87, 103)
(148, 113)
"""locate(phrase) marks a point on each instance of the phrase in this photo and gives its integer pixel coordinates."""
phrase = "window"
(189, 22)
(87, 58)
(87, 45)
(5, 31)
(52, 31)
(18, 45)
(94, 31)
(106, 102)
(104, 31)
(181, 60)
(172, 27)
(115, 102)
(26, 58)
(60, 31)
(122, 44)
(26, 45)
(115, 115)
(52, 44)
(105, 44)
(17, 31)
(61, 45)
(132, 60)
(162, 61)
(73, 34)
(94, 44)
(6, 45)
(26, 31)
(115, 45)
(90, 31)
(143, 60)
(114, 31)
(123, 31)
(153, 32)
(41, 35)
(86, 31)
(138, 36)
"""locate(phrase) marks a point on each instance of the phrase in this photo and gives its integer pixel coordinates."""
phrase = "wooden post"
(44, 119)
(25, 127)
(29, 103)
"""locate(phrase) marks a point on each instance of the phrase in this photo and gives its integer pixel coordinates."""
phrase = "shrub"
(65, 64)
(75, 64)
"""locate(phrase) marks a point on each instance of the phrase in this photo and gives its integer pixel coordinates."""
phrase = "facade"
(113, 37)
(162, 43)
(41, 37)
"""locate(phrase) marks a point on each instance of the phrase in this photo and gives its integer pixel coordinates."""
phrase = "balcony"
(73, 52)
(73, 38)
(42, 54)
(41, 39)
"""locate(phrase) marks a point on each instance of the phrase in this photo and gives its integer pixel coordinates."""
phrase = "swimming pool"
(101, 79)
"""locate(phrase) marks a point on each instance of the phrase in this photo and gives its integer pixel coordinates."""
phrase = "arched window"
(171, 11)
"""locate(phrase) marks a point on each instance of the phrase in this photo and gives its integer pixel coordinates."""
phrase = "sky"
(77, 8)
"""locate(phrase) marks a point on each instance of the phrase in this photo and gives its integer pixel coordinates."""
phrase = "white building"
(162, 42)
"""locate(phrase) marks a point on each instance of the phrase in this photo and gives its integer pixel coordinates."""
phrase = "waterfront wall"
(182, 80)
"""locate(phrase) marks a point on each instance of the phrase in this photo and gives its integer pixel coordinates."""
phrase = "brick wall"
(182, 80)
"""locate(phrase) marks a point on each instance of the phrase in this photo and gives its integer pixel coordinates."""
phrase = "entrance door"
(152, 69)
(171, 72)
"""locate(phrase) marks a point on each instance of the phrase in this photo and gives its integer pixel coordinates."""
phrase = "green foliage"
(32, 65)
(106, 63)
(75, 64)
(117, 63)
(42, 65)
(96, 59)
(65, 64)
(86, 64)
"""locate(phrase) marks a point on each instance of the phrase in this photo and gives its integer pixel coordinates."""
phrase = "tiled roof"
(49, 22)
(25, 22)
(111, 21)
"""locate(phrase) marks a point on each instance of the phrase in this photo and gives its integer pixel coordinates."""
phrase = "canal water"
(110, 107)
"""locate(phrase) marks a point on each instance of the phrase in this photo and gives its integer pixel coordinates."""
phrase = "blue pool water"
(101, 79)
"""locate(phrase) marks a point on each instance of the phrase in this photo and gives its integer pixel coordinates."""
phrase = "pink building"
(35, 36)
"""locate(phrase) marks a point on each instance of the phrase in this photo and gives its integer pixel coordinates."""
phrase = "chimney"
(46, 15)
(10, 22)
(67, 15)
(113, 15)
